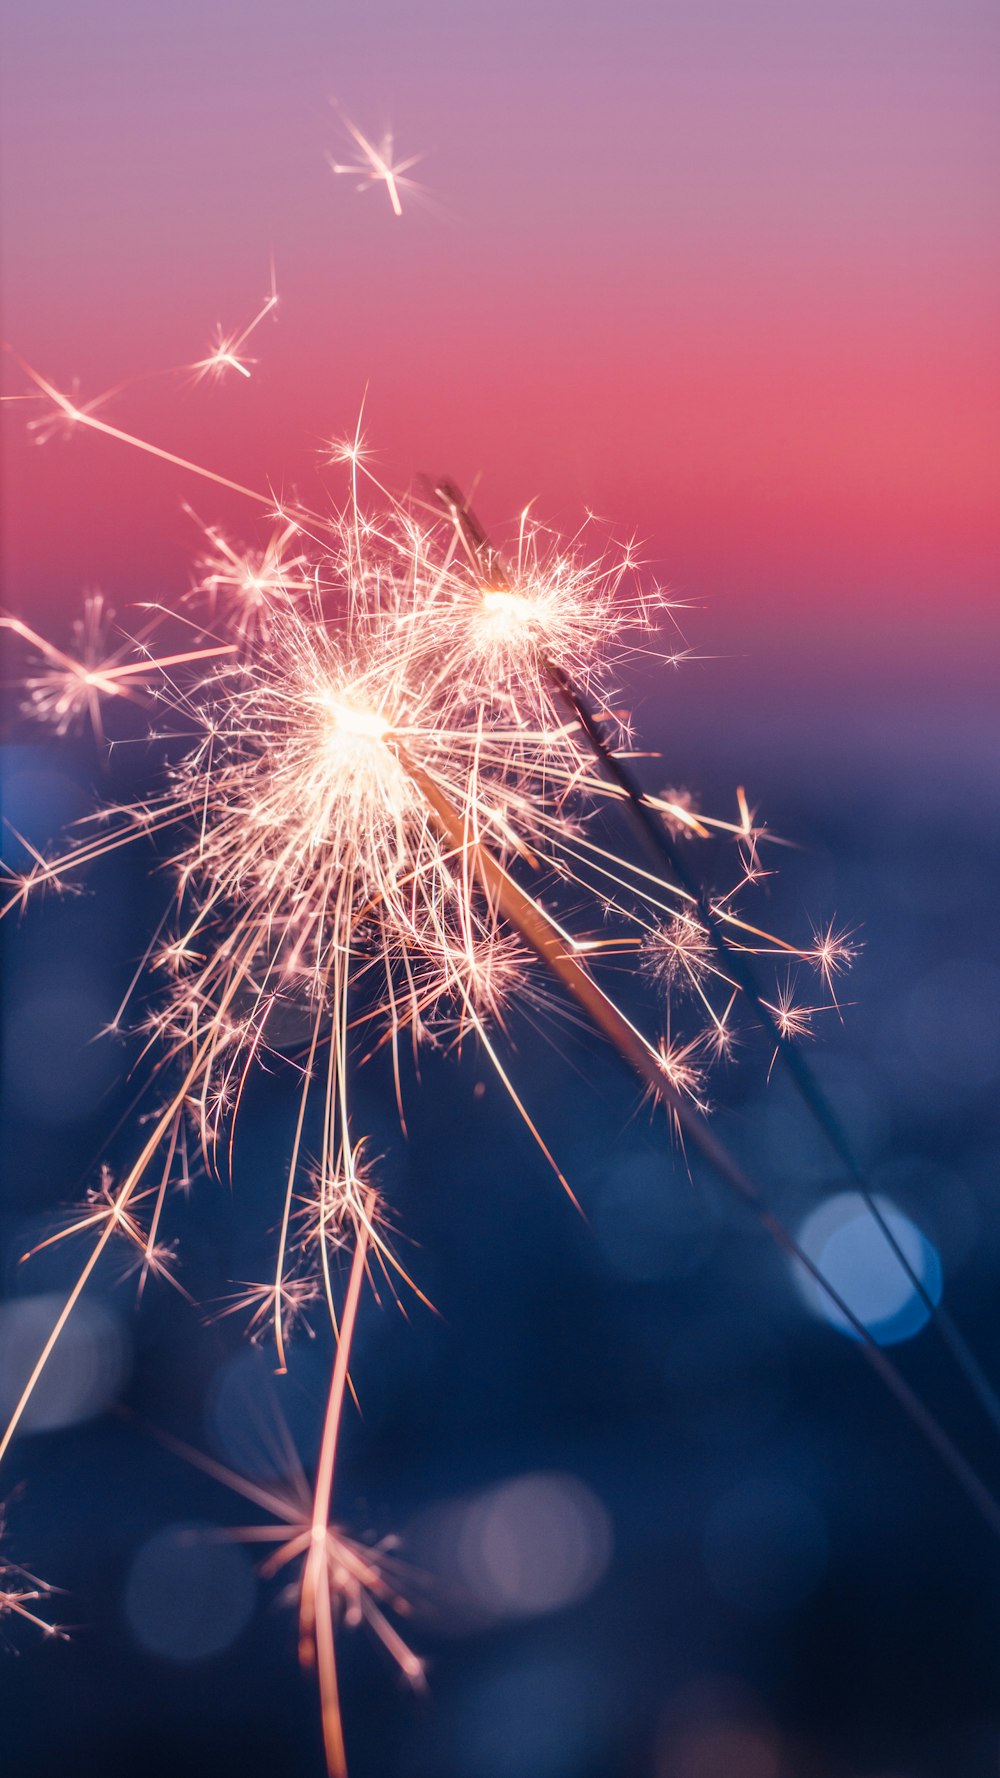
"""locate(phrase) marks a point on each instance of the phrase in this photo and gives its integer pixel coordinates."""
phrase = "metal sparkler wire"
(664, 851)
(318, 734)
(545, 940)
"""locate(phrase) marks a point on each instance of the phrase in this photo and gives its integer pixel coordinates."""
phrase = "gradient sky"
(727, 271)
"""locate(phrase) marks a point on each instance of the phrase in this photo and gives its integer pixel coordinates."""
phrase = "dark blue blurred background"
(664, 1519)
(726, 272)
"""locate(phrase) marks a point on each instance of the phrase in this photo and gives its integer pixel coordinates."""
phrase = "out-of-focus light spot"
(535, 1544)
(39, 802)
(649, 1224)
(54, 1072)
(188, 1596)
(87, 1368)
(952, 1023)
(846, 1243)
(949, 1213)
(716, 1727)
(724, 1750)
(765, 1546)
(531, 1546)
(539, 1719)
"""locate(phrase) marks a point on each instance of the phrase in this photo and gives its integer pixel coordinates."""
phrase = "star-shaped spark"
(106, 1211)
(69, 690)
(226, 353)
(376, 166)
(332, 1578)
(21, 1591)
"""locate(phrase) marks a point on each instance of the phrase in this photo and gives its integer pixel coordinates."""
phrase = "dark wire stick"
(662, 849)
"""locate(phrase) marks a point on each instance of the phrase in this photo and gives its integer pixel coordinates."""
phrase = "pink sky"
(726, 272)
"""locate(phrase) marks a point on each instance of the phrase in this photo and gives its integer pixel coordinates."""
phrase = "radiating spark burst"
(71, 686)
(376, 166)
(550, 607)
(105, 1212)
(307, 794)
(227, 352)
(65, 413)
(793, 1020)
(247, 586)
(386, 822)
(68, 690)
(61, 418)
(262, 1304)
(678, 810)
(336, 1578)
(679, 954)
(833, 951)
(684, 1064)
(22, 1593)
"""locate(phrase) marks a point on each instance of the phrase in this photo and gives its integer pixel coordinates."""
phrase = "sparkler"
(392, 789)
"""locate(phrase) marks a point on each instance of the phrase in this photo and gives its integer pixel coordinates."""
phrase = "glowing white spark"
(227, 351)
(377, 166)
